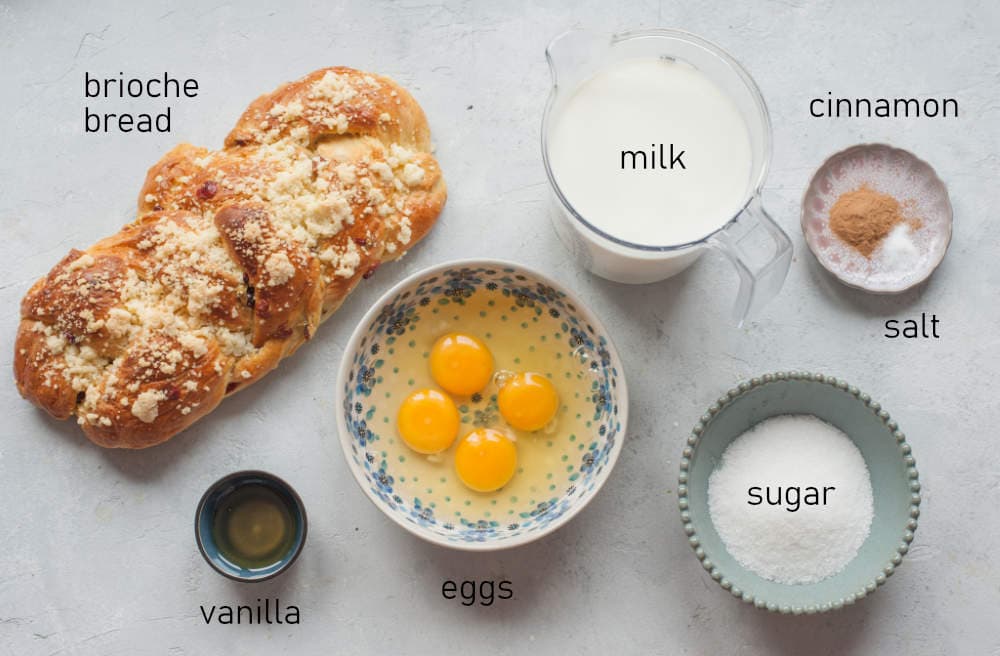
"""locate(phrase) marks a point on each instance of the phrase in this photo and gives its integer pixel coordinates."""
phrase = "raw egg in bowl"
(481, 405)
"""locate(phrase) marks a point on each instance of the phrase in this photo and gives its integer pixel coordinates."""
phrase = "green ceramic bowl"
(895, 487)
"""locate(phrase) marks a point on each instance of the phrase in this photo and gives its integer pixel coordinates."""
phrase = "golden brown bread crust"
(236, 257)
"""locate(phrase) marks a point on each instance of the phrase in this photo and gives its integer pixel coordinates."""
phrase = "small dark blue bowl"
(205, 516)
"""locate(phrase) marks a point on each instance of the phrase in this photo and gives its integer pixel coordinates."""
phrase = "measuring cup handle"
(761, 252)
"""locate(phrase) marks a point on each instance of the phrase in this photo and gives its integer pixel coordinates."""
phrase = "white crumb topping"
(81, 262)
(287, 112)
(279, 269)
(332, 88)
(405, 231)
(347, 173)
(383, 170)
(413, 175)
(344, 263)
(146, 405)
(194, 343)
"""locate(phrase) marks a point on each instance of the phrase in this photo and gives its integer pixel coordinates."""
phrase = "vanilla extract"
(254, 527)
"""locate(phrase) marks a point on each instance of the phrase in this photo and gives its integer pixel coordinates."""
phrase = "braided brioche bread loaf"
(237, 256)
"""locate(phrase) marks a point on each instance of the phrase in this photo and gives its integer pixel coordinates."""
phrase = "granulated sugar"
(799, 453)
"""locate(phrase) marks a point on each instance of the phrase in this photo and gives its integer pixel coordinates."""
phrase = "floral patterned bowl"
(386, 346)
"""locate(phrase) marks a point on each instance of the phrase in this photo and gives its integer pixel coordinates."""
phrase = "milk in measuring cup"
(652, 152)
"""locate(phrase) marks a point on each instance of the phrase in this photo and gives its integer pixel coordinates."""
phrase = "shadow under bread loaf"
(236, 258)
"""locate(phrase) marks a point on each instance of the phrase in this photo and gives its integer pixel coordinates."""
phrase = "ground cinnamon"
(864, 217)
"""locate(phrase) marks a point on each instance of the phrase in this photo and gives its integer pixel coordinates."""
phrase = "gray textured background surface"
(98, 553)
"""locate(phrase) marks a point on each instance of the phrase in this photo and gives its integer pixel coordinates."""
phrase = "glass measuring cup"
(756, 245)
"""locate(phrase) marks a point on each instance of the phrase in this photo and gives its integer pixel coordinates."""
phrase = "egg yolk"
(485, 460)
(528, 401)
(428, 421)
(461, 364)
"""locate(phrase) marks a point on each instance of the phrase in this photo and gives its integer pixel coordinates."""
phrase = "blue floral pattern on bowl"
(365, 362)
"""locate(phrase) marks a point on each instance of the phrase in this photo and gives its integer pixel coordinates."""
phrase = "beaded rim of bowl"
(546, 518)
(695, 542)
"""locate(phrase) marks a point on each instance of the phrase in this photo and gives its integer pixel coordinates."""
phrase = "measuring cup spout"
(572, 54)
(761, 252)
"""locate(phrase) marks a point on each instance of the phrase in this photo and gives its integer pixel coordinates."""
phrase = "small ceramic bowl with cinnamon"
(877, 217)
